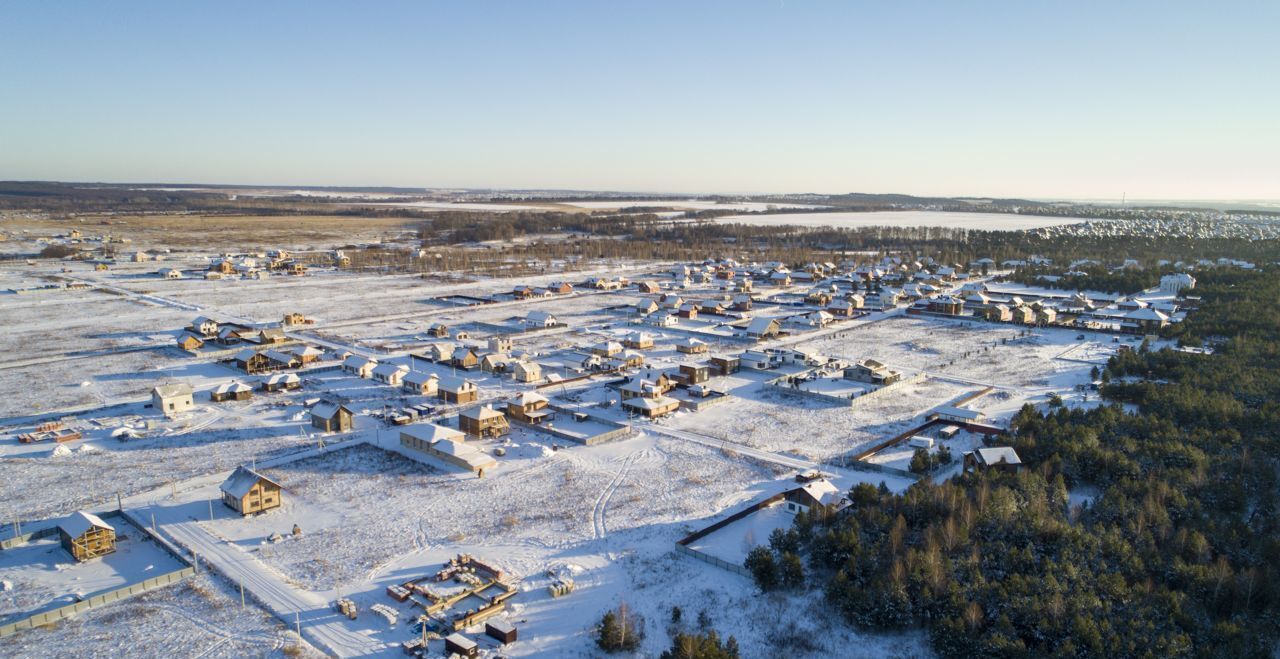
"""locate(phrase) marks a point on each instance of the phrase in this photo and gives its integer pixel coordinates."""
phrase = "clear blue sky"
(1023, 98)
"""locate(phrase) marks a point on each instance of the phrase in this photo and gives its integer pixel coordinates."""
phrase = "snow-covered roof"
(283, 377)
(77, 523)
(419, 378)
(455, 383)
(172, 389)
(480, 413)
(232, 387)
(327, 410)
(243, 478)
(1146, 313)
(997, 455)
(529, 398)
(430, 432)
(390, 369)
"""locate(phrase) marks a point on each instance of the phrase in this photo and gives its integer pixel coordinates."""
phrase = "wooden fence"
(92, 602)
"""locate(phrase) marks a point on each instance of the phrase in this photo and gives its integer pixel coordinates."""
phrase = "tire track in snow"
(599, 520)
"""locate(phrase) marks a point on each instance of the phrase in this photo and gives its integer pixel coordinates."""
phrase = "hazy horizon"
(1092, 101)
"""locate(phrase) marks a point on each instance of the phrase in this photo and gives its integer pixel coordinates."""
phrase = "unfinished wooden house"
(526, 371)
(247, 492)
(331, 417)
(530, 407)
(85, 536)
(483, 421)
(189, 342)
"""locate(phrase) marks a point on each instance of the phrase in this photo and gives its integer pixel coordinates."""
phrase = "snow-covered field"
(980, 221)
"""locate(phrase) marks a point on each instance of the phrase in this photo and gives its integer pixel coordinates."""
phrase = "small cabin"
(461, 646)
(231, 391)
(1002, 458)
(500, 630)
(85, 536)
(189, 342)
(247, 492)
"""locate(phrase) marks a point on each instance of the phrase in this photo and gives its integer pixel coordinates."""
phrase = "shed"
(460, 645)
(502, 630)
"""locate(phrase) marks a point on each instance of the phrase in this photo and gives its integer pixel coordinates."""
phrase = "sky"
(1080, 99)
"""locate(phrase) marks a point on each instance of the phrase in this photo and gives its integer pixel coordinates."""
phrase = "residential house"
(390, 374)
(419, 383)
(204, 326)
(530, 407)
(359, 366)
(691, 346)
(526, 371)
(446, 445)
(763, 328)
(247, 492)
(452, 389)
(331, 417)
(231, 391)
(483, 421)
(251, 361)
(872, 372)
(1003, 458)
(812, 495)
(282, 382)
(639, 340)
(172, 399)
(189, 342)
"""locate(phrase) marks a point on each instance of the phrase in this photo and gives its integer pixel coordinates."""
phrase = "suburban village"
(358, 463)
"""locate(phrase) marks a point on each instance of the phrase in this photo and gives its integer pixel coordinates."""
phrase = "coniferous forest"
(1177, 555)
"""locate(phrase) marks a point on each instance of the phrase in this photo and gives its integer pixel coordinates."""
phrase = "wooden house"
(331, 417)
(251, 361)
(639, 340)
(278, 360)
(172, 399)
(85, 536)
(872, 372)
(688, 311)
(694, 373)
(645, 307)
(294, 318)
(270, 335)
(390, 374)
(189, 342)
(247, 492)
(561, 288)
(500, 344)
(530, 407)
(648, 287)
(500, 630)
(483, 421)
(495, 362)
(606, 348)
(762, 328)
(359, 366)
(231, 391)
(526, 371)
(724, 364)
(453, 389)
(446, 445)
(282, 382)
(438, 330)
(465, 359)
(1003, 458)
(421, 384)
(998, 312)
(307, 354)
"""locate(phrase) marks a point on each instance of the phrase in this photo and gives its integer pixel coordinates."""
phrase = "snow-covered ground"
(979, 221)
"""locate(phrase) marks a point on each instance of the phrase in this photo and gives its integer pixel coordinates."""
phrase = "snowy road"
(320, 624)
(788, 461)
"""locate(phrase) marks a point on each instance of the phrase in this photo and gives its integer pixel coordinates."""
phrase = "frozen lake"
(982, 221)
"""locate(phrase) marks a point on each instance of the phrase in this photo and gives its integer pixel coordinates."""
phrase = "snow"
(952, 220)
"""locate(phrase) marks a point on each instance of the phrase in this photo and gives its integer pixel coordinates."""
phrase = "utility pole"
(242, 595)
(210, 510)
(297, 621)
